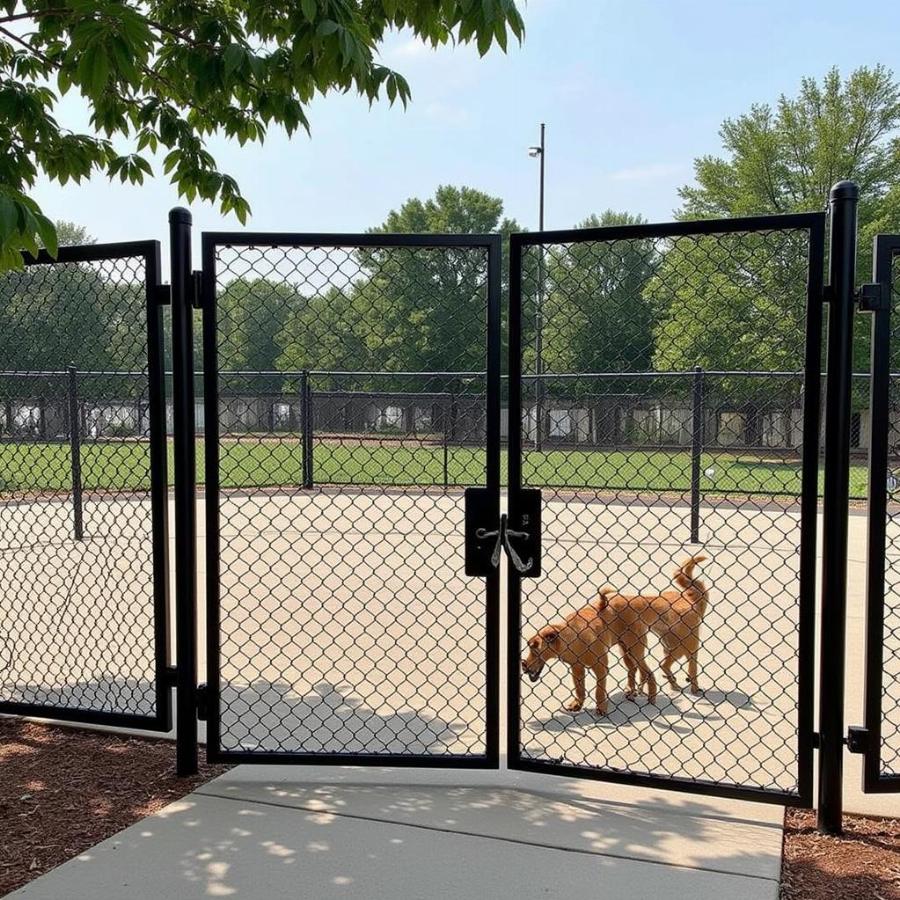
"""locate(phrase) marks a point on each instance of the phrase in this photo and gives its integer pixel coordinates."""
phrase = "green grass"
(252, 463)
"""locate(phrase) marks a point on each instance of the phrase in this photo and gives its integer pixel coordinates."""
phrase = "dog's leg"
(647, 679)
(600, 669)
(578, 681)
(692, 673)
(632, 667)
(666, 666)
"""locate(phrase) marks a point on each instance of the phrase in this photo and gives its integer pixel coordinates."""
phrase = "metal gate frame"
(210, 241)
(156, 297)
(887, 249)
(814, 344)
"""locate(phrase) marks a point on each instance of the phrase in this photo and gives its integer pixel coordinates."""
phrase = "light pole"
(539, 152)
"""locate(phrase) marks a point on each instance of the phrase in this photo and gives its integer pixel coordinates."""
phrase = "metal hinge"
(162, 294)
(202, 702)
(873, 297)
(170, 673)
(857, 739)
(197, 289)
(827, 293)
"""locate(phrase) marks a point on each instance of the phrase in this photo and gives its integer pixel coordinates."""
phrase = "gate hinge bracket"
(170, 673)
(873, 297)
(202, 702)
(857, 739)
(827, 293)
(162, 294)
(197, 289)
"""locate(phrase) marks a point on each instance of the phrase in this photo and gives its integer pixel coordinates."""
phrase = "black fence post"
(842, 275)
(306, 429)
(185, 492)
(445, 421)
(75, 452)
(696, 450)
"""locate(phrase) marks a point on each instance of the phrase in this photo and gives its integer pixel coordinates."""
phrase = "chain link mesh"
(890, 675)
(351, 414)
(76, 569)
(664, 375)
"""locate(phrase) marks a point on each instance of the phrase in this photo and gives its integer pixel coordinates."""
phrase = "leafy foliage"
(785, 160)
(162, 77)
(407, 311)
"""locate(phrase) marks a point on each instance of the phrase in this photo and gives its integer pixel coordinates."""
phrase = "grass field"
(253, 463)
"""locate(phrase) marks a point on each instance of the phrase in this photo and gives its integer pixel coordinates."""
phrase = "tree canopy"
(404, 309)
(162, 77)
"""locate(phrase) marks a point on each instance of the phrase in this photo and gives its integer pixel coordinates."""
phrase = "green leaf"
(309, 9)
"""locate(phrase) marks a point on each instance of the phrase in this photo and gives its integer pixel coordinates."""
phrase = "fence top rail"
(700, 227)
(298, 373)
(326, 240)
(96, 252)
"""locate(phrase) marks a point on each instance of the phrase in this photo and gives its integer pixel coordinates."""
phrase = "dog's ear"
(550, 635)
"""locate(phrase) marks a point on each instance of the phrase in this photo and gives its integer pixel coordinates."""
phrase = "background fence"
(743, 427)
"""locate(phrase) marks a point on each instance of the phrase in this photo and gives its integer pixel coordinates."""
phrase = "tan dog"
(675, 617)
(583, 640)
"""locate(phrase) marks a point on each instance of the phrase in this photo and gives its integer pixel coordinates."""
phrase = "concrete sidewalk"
(288, 832)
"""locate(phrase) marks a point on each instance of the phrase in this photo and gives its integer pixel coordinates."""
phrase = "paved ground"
(318, 833)
(347, 625)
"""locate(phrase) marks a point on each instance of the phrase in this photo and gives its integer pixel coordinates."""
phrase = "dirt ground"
(64, 789)
(863, 864)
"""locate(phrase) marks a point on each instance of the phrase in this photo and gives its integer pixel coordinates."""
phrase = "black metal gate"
(83, 521)
(340, 624)
(665, 385)
(881, 769)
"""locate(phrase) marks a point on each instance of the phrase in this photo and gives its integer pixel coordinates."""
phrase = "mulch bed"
(863, 864)
(62, 790)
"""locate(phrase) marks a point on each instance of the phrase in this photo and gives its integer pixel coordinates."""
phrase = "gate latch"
(486, 539)
(857, 739)
(873, 297)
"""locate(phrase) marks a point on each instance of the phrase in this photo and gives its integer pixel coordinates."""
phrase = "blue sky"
(631, 91)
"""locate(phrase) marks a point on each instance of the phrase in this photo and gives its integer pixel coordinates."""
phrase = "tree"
(779, 160)
(596, 317)
(69, 234)
(164, 76)
(785, 160)
(404, 309)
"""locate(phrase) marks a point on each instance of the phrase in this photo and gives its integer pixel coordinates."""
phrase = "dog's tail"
(602, 597)
(684, 576)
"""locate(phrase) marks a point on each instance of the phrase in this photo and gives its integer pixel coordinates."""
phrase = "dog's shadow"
(712, 705)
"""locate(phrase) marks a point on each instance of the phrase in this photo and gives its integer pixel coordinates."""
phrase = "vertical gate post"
(185, 490)
(306, 426)
(75, 452)
(842, 275)
(696, 450)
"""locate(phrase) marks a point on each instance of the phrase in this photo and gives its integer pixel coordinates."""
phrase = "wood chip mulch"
(863, 864)
(62, 790)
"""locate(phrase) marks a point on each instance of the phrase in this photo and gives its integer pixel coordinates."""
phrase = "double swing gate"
(365, 426)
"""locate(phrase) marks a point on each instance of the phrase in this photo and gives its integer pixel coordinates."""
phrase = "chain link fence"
(695, 357)
(82, 567)
(340, 618)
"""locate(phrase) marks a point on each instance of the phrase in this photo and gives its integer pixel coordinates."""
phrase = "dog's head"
(543, 647)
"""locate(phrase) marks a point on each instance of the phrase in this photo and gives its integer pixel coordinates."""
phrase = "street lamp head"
(534, 152)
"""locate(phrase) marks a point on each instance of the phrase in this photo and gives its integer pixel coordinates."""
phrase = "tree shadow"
(664, 711)
(272, 716)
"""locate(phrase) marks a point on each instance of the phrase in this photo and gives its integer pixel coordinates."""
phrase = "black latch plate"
(857, 739)
(197, 289)
(873, 297)
(202, 702)
(528, 519)
(481, 505)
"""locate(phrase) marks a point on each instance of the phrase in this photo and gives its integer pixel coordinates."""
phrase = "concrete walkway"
(319, 833)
